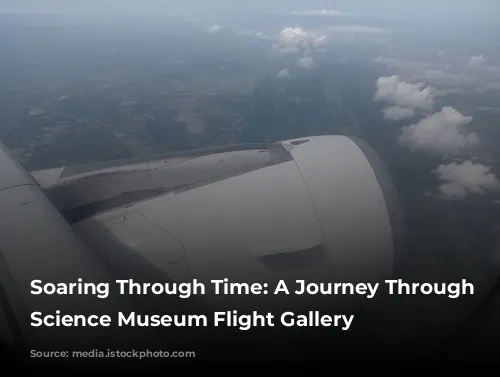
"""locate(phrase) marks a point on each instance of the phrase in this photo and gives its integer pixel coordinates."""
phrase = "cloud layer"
(214, 29)
(462, 179)
(306, 62)
(284, 73)
(450, 73)
(477, 60)
(295, 40)
(442, 132)
(402, 94)
(396, 113)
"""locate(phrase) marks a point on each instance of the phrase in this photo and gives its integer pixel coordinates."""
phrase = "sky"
(431, 9)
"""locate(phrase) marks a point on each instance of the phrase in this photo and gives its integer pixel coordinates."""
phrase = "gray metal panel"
(229, 227)
(209, 168)
(36, 243)
(80, 196)
(89, 190)
(253, 214)
(396, 216)
(176, 156)
(154, 244)
(320, 217)
(350, 205)
(47, 178)
(11, 175)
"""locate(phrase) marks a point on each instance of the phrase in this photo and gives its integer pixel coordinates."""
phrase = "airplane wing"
(37, 243)
(321, 208)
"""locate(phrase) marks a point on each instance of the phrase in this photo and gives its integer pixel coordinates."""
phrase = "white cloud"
(450, 74)
(484, 71)
(293, 35)
(462, 179)
(400, 93)
(477, 60)
(398, 113)
(293, 40)
(214, 29)
(284, 73)
(452, 191)
(321, 12)
(475, 74)
(321, 40)
(441, 132)
(306, 62)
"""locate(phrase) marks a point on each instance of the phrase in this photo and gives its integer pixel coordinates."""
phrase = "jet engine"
(319, 209)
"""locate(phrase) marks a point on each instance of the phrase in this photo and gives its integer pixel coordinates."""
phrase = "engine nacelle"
(322, 209)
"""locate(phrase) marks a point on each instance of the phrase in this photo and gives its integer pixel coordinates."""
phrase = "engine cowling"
(324, 210)
(321, 209)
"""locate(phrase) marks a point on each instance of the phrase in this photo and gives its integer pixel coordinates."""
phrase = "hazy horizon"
(424, 10)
